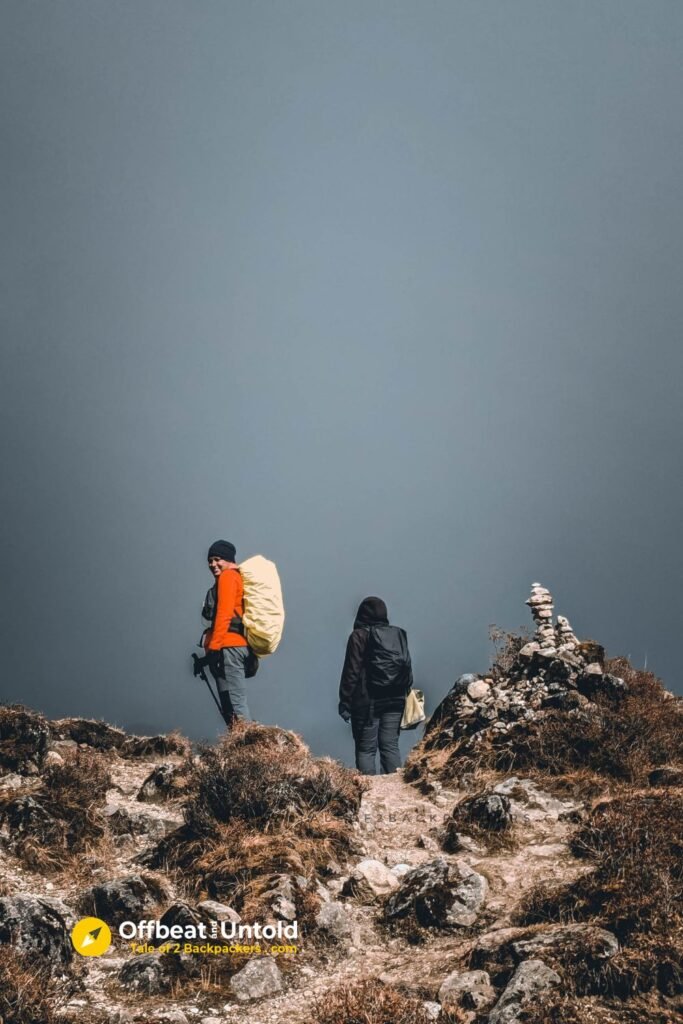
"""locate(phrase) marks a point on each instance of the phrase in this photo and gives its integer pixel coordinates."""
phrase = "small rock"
(52, 757)
(334, 920)
(433, 1010)
(477, 690)
(467, 990)
(146, 973)
(219, 911)
(370, 880)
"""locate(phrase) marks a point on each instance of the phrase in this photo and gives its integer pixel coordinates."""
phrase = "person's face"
(217, 565)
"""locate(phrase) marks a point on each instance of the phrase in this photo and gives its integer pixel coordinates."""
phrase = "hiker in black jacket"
(375, 717)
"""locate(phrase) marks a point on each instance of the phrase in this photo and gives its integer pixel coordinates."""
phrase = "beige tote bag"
(414, 710)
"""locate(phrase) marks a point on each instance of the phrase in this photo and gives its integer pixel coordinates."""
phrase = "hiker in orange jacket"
(223, 609)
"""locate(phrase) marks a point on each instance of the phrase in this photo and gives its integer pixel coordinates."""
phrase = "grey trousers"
(232, 684)
(379, 730)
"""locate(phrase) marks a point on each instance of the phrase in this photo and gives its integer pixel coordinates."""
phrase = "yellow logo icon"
(91, 936)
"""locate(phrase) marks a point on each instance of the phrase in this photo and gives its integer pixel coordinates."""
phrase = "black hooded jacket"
(353, 695)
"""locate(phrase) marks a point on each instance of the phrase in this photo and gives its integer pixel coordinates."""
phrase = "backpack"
(387, 662)
(264, 611)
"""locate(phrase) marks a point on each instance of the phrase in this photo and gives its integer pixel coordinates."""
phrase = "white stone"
(478, 689)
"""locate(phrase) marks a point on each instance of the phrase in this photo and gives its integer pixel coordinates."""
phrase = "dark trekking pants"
(380, 729)
(229, 673)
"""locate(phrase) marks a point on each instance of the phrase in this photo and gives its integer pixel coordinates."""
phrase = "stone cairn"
(554, 670)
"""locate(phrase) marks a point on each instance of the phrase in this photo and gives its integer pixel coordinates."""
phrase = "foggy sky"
(388, 292)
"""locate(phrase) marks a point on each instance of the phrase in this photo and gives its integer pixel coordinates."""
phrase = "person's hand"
(346, 715)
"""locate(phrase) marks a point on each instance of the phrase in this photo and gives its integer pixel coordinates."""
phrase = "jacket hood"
(372, 611)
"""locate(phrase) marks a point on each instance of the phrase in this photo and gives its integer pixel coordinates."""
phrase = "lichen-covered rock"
(259, 979)
(438, 895)
(532, 978)
(148, 974)
(37, 925)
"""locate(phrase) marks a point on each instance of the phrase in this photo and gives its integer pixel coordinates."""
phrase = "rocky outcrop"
(551, 671)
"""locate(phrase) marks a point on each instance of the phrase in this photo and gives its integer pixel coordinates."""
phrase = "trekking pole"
(198, 670)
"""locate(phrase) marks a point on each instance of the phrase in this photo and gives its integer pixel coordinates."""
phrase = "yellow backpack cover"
(264, 610)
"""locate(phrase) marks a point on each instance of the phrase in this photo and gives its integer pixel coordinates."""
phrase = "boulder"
(531, 980)
(37, 925)
(667, 775)
(335, 921)
(122, 899)
(438, 895)
(478, 689)
(370, 881)
(259, 979)
(467, 990)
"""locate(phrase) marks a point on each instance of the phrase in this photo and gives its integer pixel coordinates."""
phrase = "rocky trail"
(397, 830)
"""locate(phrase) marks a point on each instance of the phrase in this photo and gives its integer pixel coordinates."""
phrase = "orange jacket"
(229, 602)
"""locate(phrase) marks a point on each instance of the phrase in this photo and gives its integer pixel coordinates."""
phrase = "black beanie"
(222, 549)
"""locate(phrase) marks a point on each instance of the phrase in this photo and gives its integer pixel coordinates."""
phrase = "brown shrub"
(635, 890)
(570, 1010)
(60, 815)
(259, 804)
(369, 1002)
(28, 992)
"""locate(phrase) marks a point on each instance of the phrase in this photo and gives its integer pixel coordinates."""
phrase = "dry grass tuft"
(259, 805)
(370, 1002)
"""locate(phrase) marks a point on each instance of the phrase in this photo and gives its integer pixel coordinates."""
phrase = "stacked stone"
(564, 634)
(541, 604)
